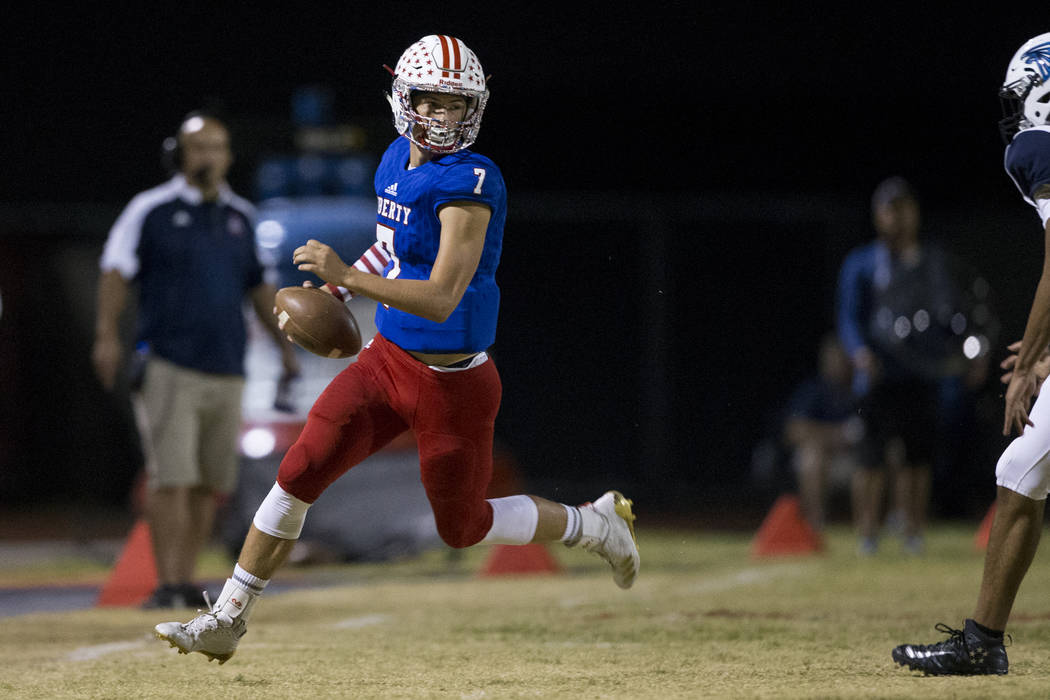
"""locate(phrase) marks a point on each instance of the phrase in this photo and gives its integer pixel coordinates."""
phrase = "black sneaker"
(964, 653)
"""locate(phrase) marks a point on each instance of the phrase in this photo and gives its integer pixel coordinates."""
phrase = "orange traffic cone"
(135, 575)
(515, 560)
(980, 540)
(785, 531)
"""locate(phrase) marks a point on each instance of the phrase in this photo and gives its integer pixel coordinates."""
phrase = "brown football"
(316, 321)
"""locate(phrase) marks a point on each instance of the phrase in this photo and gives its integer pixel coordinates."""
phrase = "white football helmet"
(438, 63)
(1025, 94)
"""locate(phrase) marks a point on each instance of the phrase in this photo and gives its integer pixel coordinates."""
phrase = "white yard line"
(353, 623)
(746, 577)
(97, 651)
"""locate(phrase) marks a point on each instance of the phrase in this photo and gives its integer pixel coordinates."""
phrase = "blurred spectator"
(910, 328)
(822, 429)
(189, 247)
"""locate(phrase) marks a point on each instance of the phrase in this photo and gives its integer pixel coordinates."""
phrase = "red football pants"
(383, 394)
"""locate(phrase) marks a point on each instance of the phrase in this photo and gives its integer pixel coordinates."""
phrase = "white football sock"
(594, 528)
(514, 520)
(572, 524)
(247, 581)
(234, 602)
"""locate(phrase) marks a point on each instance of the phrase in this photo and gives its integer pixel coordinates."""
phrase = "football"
(316, 321)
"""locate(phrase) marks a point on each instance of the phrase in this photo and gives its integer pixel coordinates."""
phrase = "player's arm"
(119, 265)
(1024, 382)
(107, 351)
(463, 228)
(372, 262)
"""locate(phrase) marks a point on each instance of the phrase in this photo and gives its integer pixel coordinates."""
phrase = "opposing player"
(1023, 472)
(440, 225)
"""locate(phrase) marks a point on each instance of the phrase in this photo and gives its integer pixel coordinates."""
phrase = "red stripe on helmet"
(444, 55)
(455, 49)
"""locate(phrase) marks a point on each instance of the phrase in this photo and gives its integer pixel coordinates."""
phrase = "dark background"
(684, 182)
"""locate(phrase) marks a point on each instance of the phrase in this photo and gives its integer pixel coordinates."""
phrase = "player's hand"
(1019, 393)
(321, 260)
(1041, 368)
(106, 357)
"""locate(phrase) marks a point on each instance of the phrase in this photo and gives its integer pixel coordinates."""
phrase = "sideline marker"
(515, 560)
(135, 574)
(785, 531)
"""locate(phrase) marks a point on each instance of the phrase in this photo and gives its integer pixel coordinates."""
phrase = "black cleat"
(964, 653)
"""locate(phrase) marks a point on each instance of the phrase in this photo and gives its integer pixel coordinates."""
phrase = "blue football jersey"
(407, 223)
(1027, 160)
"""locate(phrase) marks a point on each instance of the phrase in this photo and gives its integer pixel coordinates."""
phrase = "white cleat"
(611, 535)
(215, 636)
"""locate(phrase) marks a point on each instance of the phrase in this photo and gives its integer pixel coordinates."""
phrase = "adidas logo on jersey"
(391, 190)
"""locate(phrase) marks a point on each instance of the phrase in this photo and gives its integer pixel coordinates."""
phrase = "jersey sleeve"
(1028, 161)
(475, 179)
(121, 250)
(372, 262)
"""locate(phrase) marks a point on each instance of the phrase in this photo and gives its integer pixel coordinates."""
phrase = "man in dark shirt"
(188, 245)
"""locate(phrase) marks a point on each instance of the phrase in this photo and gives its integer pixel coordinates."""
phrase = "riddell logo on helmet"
(452, 83)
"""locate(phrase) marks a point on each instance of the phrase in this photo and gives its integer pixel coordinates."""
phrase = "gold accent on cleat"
(622, 506)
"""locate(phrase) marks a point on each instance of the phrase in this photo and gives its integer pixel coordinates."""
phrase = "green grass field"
(704, 620)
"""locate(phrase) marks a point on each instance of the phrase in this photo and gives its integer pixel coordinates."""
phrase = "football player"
(441, 210)
(1023, 472)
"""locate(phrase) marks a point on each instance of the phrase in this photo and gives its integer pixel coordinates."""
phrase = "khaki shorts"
(189, 422)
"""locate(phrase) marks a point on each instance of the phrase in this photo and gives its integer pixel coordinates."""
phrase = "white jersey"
(1024, 466)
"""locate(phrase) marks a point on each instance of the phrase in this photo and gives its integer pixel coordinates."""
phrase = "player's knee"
(461, 527)
(281, 514)
(295, 474)
(457, 537)
(309, 465)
